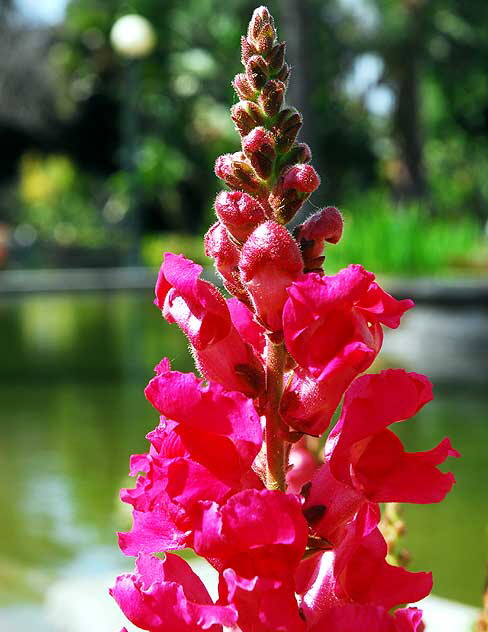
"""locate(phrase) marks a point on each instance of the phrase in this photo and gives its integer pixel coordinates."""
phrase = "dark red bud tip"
(272, 96)
(302, 178)
(276, 58)
(239, 212)
(286, 128)
(256, 71)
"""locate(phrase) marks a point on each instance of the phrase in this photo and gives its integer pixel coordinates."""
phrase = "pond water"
(72, 375)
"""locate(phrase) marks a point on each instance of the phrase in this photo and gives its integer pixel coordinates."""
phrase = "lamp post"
(133, 38)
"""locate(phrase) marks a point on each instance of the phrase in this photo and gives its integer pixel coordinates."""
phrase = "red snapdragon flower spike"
(164, 595)
(201, 312)
(239, 212)
(369, 618)
(349, 304)
(270, 261)
(244, 534)
(365, 455)
(262, 604)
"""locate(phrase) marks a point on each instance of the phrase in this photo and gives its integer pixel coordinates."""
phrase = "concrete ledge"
(449, 292)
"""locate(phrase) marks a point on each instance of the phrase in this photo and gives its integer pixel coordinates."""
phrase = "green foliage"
(154, 246)
(59, 203)
(402, 239)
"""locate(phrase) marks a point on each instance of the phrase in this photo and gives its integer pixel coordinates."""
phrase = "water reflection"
(72, 377)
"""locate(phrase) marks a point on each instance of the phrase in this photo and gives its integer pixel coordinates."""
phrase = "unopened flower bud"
(286, 128)
(324, 226)
(246, 116)
(219, 246)
(270, 261)
(243, 87)
(272, 97)
(256, 71)
(302, 178)
(299, 153)
(261, 32)
(276, 58)
(239, 212)
(238, 174)
(258, 146)
(284, 73)
(247, 50)
(291, 190)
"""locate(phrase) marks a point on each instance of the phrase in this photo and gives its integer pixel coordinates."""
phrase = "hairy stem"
(275, 448)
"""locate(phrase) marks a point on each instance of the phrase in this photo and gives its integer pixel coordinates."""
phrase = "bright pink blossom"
(166, 595)
(369, 618)
(262, 604)
(365, 455)
(202, 450)
(201, 312)
(332, 328)
(257, 533)
(356, 571)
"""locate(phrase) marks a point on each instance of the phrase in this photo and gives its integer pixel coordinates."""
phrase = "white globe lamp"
(133, 36)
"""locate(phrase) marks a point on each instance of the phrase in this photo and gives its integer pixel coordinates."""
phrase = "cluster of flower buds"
(293, 532)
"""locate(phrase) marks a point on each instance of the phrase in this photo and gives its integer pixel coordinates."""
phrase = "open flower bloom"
(369, 618)
(166, 595)
(356, 571)
(332, 327)
(202, 313)
(367, 456)
(256, 540)
(203, 449)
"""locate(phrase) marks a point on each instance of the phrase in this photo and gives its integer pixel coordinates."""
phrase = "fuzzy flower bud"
(247, 50)
(258, 146)
(261, 31)
(243, 87)
(286, 128)
(256, 71)
(325, 225)
(239, 212)
(238, 174)
(246, 116)
(302, 178)
(219, 246)
(299, 153)
(292, 189)
(270, 262)
(272, 96)
(276, 58)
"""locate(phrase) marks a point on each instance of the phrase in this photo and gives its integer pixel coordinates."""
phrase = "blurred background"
(107, 151)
